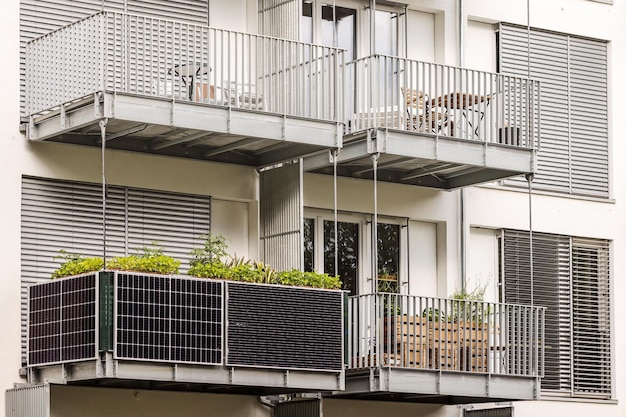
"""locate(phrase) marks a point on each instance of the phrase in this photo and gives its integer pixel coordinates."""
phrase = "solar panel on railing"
(62, 320)
(163, 318)
(284, 327)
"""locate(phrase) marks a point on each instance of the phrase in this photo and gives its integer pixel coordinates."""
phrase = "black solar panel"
(163, 318)
(284, 327)
(62, 320)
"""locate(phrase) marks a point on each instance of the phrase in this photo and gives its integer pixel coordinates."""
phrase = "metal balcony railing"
(411, 332)
(131, 54)
(398, 93)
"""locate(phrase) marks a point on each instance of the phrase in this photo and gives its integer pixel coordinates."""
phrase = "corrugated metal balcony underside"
(184, 129)
(424, 160)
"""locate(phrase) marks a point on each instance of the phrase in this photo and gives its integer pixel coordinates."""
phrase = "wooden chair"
(421, 117)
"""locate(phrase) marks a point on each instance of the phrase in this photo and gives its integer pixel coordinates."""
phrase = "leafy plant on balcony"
(469, 306)
(148, 259)
(75, 264)
(212, 261)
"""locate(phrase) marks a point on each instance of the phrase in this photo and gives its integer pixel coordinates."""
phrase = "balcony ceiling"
(184, 129)
(424, 160)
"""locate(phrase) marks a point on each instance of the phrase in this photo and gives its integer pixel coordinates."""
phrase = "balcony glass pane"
(348, 252)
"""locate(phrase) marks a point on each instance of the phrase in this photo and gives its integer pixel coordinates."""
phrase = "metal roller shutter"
(68, 215)
(574, 128)
(570, 279)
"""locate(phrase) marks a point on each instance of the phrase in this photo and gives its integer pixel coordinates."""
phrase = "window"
(571, 279)
(354, 255)
(388, 257)
(574, 110)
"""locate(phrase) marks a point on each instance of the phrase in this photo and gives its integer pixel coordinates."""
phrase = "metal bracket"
(63, 117)
(283, 127)
(371, 141)
(228, 119)
(97, 109)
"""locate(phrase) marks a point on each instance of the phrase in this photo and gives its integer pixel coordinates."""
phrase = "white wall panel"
(423, 259)
(420, 36)
(231, 220)
(482, 262)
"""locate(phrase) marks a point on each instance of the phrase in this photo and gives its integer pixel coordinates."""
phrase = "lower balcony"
(125, 329)
(171, 88)
(421, 349)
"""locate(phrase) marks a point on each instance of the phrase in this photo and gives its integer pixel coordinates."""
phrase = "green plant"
(469, 305)
(212, 270)
(212, 261)
(148, 259)
(434, 314)
(307, 279)
(75, 264)
(213, 250)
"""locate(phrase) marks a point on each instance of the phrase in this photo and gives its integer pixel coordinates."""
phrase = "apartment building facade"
(420, 150)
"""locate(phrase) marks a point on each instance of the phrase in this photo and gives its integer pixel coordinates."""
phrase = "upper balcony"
(127, 329)
(423, 349)
(435, 125)
(180, 89)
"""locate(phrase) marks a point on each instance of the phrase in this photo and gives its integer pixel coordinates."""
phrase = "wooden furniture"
(420, 114)
(420, 342)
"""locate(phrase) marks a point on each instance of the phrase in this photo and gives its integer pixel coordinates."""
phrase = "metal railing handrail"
(445, 334)
(130, 53)
(442, 100)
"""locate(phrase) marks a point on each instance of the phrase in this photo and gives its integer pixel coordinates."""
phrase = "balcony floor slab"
(185, 129)
(187, 377)
(425, 160)
(440, 387)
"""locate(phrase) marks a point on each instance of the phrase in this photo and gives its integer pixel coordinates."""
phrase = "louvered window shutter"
(280, 18)
(188, 11)
(574, 128)
(68, 215)
(571, 279)
(550, 289)
(591, 311)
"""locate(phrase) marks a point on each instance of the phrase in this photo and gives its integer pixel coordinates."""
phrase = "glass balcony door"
(355, 251)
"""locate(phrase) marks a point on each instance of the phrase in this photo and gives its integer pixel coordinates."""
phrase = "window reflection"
(309, 245)
(348, 252)
(388, 257)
